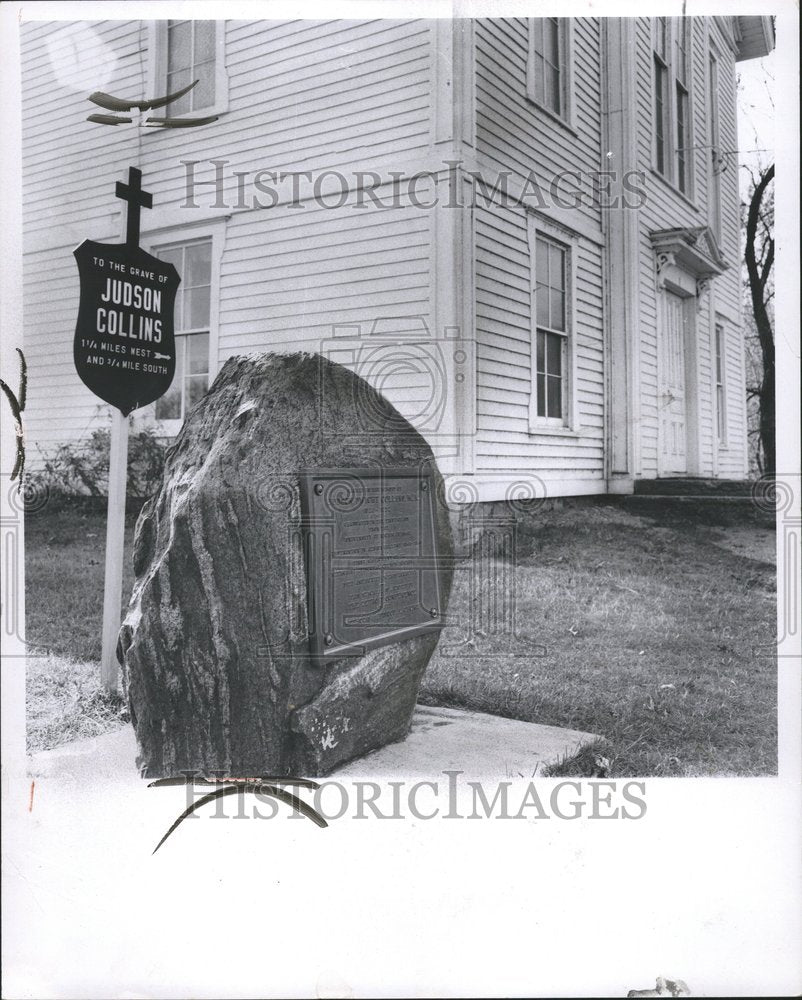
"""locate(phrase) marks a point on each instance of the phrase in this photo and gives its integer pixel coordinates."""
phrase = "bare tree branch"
(759, 255)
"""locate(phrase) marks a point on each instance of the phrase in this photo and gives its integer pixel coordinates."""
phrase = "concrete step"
(718, 489)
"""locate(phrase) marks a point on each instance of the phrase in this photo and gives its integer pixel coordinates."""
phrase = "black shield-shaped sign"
(124, 345)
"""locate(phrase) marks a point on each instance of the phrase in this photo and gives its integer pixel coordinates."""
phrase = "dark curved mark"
(111, 103)
(23, 379)
(259, 779)
(292, 800)
(17, 406)
(283, 796)
(108, 120)
(180, 122)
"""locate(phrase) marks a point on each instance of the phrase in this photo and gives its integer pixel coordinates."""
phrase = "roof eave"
(694, 248)
(756, 38)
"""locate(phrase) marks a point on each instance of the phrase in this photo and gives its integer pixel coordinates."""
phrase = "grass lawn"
(642, 629)
(65, 548)
(638, 621)
(65, 551)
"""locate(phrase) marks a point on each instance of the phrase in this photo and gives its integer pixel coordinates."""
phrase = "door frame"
(683, 285)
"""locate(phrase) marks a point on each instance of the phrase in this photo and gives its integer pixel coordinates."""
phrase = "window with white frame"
(716, 161)
(672, 140)
(721, 392)
(548, 65)
(551, 303)
(682, 149)
(661, 95)
(190, 56)
(182, 52)
(192, 260)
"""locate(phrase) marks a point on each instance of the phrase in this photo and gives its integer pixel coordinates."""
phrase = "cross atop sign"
(137, 198)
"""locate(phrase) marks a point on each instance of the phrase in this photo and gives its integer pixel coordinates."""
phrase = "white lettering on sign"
(128, 325)
(124, 293)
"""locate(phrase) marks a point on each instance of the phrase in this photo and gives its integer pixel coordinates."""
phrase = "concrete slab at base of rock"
(481, 745)
(440, 739)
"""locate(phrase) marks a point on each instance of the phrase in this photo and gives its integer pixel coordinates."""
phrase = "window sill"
(674, 189)
(547, 430)
(563, 122)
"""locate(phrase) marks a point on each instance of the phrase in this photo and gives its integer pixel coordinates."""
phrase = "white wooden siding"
(513, 134)
(67, 197)
(315, 278)
(727, 289)
(504, 344)
(666, 208)
(359, 95)
(303, 96)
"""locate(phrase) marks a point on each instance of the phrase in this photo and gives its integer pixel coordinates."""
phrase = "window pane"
(197, 386)
(555, 404)
(556, 267)
(554, 354)
(682, 48)
(198, 354)
(660, 36)
(198, 265)
(552, 95)
(682, 137)
(203, 94)
(539, 90)
(552, 33)
(542, 298)
(659, 104)
(169, 406)
(542, 260)
(175, 82)
(197, 308)
(204, 41)
(552, 263)
(537, 32)
(174, 256)
(557, 299)
(179, 46)
(191, 381)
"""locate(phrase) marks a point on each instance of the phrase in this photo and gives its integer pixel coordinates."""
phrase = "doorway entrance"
(672, 393)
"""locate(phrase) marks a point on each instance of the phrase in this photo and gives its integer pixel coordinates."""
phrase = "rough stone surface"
(214, 647)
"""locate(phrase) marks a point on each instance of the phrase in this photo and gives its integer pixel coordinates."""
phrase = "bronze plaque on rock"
(371, 558)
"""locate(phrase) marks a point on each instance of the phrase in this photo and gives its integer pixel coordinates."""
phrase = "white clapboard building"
(524, 231)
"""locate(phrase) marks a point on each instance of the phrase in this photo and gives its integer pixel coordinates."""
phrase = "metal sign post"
(124, 351)
(115, 536)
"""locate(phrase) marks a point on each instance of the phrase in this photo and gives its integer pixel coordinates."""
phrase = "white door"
(671, 392)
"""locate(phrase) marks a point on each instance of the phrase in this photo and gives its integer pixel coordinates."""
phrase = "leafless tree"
(759, 259)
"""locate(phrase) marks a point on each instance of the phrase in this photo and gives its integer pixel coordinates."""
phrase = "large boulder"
(215, 648)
